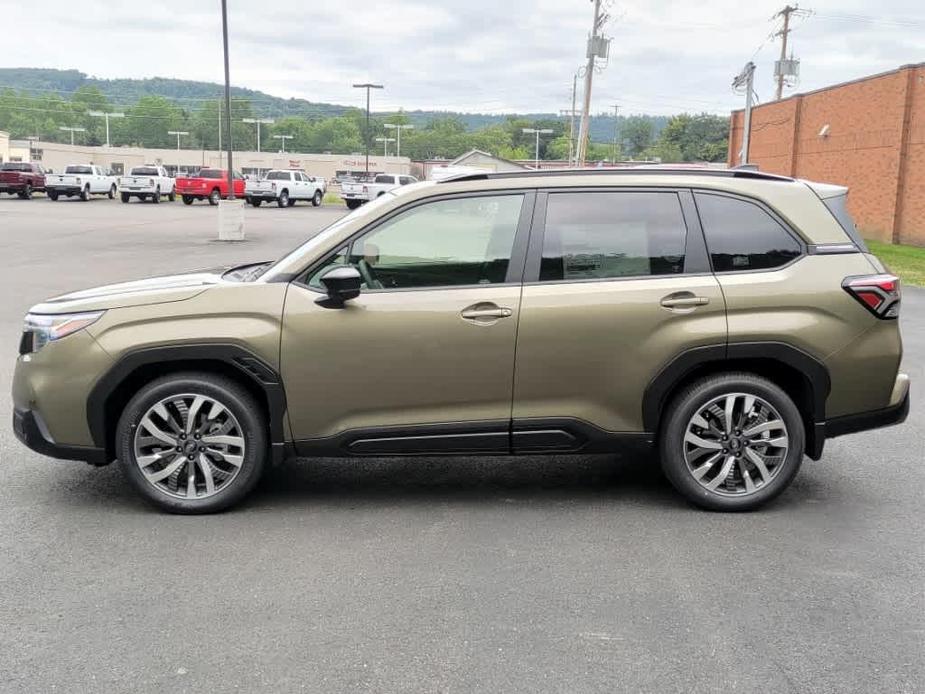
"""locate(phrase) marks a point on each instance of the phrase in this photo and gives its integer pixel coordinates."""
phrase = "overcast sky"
(487, 56)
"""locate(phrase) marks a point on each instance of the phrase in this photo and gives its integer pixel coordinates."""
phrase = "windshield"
(321, 239)
(144, 171)
(78, 170)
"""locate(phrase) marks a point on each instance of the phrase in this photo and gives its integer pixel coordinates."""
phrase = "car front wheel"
(732, 442)
(317, 199)
(192, 443)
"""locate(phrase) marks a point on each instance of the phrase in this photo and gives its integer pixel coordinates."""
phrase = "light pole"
(178, 133)
(367, 86)
(71, 130)
(537, 132)
(283, 139)
(398, 129)
(385, 144)
(107, 116)
(258, 121)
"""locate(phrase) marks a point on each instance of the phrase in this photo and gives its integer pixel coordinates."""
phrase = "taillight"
(879, 294)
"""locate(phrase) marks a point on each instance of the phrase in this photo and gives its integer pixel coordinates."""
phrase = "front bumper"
(31, 431)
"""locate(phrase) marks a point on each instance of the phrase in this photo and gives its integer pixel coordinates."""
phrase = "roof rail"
(622, 171)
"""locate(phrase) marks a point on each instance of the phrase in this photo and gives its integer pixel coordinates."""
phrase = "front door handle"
(485, 312)
(684, 300)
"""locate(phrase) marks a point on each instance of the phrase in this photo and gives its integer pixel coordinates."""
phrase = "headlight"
(47, 328)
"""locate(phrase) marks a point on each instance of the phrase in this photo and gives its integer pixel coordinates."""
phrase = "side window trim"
(761, 204)
(537, 237)
(518, 251)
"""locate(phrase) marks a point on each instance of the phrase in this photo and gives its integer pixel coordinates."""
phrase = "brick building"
(868, 134)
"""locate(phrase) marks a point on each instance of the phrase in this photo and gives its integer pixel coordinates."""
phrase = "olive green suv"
(731, 320)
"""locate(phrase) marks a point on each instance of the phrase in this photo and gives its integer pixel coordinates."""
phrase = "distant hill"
(190, 94)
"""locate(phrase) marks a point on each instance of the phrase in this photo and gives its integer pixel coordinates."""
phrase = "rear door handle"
(483, 312)
(684, 300)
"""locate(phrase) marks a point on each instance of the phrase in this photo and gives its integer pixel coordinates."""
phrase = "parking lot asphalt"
(561, 574)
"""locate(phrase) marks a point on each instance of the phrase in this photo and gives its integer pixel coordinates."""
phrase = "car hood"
(155, 290)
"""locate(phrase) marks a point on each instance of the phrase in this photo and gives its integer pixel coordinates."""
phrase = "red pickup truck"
(21, 178)
(208, 184)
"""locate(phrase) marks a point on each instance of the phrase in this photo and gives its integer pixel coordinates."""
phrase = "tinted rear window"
(144, 171)
(838, 206)
(78, 170)
(278, 176)
(210, 173)
(15, 166)
(608, 235)
(385, 179)
(743, 236)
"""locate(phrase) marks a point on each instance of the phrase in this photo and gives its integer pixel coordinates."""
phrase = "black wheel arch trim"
(685, 363)
(249, 365)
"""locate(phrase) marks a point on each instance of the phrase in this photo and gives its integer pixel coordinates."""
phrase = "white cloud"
(475, 55)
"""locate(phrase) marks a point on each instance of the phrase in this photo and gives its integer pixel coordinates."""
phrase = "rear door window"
(741, 235)
(607, 235)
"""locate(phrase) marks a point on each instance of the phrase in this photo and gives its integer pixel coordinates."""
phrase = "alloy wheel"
(735, 444)
(189, 446)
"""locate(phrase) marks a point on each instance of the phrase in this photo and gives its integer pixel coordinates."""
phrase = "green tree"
(636, 135)
(686, 137)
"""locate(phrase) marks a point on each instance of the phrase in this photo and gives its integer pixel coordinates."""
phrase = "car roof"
(690, 170)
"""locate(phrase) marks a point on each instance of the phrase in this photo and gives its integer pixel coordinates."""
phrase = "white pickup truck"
(356, 193)
(285, 187)
(148, 181)
(83, 180)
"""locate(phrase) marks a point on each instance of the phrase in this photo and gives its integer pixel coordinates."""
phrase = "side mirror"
(342, 284)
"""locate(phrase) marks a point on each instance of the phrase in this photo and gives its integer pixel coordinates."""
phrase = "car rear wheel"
(187, 199)
(112, 191)
(192, 443)
(256, 202)
(317, 199)
(352, 204)
(172, 195)
(283, 199)
(52, 195)
(125, 197)
(156, 198)
(85, 193)
(732, 442)
(26, 193)
(214, 197)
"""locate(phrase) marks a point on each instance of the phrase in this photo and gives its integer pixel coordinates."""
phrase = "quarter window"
(608, 235)
(742, 236)
(463, 241)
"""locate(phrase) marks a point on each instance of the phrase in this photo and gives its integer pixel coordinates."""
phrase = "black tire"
(214, 197)
(112, 192)
(238, 401)
(353, 204)
(125, 197)
(52, 195)
(699, 394)
(291, 202)
(85, 193)
(317, 199)
(187, 199)
(156, 197)
(172, 195)
(256, 202)
(26, 192)
(283, 199)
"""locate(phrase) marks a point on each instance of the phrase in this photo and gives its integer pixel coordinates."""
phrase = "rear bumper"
(260, 195)
(31, 431)
(64, 190)
(853, 423)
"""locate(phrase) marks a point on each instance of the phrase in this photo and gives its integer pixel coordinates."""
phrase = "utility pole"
(783, 33)
(598, 47)
(107, 116)
(367, 86)
(746, 79)
(616, 107)
(571, 113)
